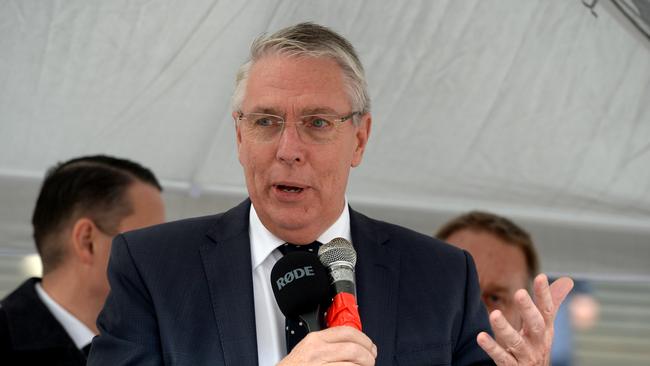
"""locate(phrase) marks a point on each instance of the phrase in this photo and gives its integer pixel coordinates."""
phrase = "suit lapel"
(377, 274)
(227, 264)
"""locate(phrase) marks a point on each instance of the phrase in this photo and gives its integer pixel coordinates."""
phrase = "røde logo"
(294, 275)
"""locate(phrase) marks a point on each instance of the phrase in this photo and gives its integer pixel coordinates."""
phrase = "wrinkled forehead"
(280, 84)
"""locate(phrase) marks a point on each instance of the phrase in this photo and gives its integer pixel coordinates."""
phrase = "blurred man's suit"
(22, 316)
(196, 274)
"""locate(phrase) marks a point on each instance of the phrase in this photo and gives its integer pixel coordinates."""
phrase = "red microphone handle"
(343, 311)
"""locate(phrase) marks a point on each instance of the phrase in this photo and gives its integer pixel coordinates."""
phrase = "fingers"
(345, 334)
(543, 298)
(549, 298)
(337, 345)
(347, 344)
(494, 350)
(532, 344)
(533, 321)
(560, 288)
(511, 340)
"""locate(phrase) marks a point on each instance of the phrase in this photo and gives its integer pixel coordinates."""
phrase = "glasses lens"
(262, 127)
(318, 129)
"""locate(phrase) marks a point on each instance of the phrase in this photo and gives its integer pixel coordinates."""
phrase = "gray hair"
(310, 40)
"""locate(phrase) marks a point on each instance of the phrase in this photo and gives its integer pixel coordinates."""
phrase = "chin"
(294, 221)
(298, 225)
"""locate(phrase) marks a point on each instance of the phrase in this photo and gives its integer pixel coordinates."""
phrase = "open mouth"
(289, 189)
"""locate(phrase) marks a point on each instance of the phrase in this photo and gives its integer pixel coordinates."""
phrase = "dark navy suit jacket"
(182, 294)
(31, 335)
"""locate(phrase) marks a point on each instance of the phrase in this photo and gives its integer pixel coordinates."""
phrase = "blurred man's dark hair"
(498, 226)
(91, 186)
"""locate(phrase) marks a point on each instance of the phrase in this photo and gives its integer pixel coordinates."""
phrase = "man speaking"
(197, 291)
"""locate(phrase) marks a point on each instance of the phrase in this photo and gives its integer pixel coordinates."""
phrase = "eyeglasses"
(312, 129)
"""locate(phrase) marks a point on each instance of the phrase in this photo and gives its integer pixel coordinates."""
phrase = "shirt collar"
(263, 242)
(340, 228)
(81, 335)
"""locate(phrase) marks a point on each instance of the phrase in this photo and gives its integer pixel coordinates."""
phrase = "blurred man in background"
(504, 255)
(506, 260)
(82, 205)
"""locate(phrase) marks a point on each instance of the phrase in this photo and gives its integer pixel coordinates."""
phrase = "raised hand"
(532, 344)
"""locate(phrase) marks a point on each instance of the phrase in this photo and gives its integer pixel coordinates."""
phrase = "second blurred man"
(82, 205)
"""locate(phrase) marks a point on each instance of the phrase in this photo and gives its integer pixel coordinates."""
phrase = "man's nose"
(290, 145)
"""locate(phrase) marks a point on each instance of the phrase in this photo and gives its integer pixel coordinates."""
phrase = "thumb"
(560, 288)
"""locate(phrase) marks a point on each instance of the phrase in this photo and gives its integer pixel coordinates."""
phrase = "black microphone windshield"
(300, 283)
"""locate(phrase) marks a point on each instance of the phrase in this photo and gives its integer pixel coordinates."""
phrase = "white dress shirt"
(269, 320)
(81, 335)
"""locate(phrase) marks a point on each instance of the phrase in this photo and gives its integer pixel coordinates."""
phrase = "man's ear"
(361, 138)
(83, 234)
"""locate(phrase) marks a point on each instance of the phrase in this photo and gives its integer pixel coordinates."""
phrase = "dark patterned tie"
(295, 330)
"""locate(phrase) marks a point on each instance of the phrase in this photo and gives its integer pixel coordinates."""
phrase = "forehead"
(295, 84)
(499, 264)
(148, 207)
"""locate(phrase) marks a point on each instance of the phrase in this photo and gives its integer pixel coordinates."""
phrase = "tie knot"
(290, 248)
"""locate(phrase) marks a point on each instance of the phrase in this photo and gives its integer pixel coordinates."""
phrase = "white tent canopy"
(537, 110)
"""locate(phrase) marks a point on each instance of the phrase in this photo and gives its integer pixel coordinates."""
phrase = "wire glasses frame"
(312, 129)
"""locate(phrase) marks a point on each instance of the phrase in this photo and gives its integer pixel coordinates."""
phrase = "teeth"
(290, 189)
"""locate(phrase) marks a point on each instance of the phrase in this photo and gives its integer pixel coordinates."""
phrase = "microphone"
(300, 287)
(340, 258)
